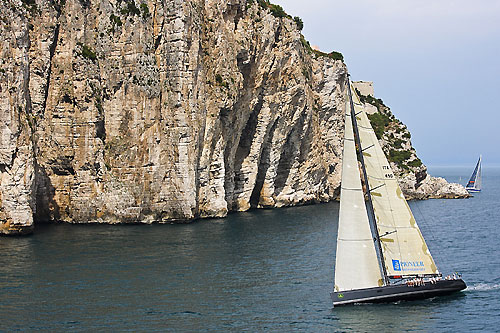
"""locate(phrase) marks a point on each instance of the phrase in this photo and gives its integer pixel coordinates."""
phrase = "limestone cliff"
(121, 111)
(17, 164)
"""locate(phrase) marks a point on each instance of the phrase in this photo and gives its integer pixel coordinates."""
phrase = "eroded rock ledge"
(147, 111)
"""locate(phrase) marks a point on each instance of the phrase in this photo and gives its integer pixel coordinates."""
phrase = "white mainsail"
(404, 249)
(356, 264)
(478, 178)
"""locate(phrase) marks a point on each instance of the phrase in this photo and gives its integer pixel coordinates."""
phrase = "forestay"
(404, 249)
(356, 264)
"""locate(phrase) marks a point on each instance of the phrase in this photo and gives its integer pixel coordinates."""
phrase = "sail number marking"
(387, 168)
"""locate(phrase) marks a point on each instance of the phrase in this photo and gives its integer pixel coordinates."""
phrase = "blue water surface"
(261, 270)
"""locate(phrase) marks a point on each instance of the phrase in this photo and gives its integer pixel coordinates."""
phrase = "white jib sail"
(478, 176)
(356, 265)
(404, 249)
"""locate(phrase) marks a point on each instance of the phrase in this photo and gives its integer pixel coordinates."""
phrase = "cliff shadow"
(264, 163)
(47, 209)
(291, 150)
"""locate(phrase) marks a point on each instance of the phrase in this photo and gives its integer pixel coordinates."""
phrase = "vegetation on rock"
(276, 10)
(373, 101)
(332, 55)
(299, 22)
(115, 21)
(30, 6)
(145, 11)
(86, 52)
(130, 9)
(379, 123)
(220, 81)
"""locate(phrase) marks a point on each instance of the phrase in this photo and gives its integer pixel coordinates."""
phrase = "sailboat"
(474, 184)
(381, 253)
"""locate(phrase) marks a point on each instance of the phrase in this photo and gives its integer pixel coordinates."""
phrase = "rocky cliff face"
(122, 111)
(17, 163)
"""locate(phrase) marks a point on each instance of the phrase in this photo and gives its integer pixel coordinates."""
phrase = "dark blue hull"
(393, 293)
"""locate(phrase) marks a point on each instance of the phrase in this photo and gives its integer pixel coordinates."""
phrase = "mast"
(369, 204)
(478, 175)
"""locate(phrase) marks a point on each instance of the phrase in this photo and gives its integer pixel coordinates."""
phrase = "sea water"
(260, 270)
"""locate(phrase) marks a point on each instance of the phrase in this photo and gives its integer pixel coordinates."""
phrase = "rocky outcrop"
(437, 187)
(395, 140)
(147, 111)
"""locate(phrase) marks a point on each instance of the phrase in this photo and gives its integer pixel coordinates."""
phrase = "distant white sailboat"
(381, 253)
(474, 184)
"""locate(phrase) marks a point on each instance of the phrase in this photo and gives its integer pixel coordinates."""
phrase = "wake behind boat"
(381, 253)
(474, 184)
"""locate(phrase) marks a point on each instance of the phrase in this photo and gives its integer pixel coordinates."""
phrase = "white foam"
(484, 287)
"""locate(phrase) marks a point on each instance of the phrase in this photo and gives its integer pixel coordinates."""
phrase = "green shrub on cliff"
(415, 163)
(130, 8)
(220, 81)
(305, 43)
(332, 55)
(115, 21)
(31, 6)
(277, 10)
(87, 52)
(379, 122)
(371, 100)
(397, 143)
(145, 11)
(299, 22)
(399, 156)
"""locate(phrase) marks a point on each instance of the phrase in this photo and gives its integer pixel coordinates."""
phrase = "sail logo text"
(407, 265)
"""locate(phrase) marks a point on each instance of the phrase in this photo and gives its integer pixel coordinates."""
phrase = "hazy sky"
(436, 63)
